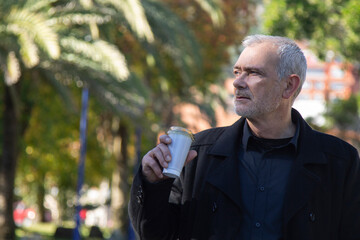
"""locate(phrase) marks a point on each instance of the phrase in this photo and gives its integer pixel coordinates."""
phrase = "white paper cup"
(181, 140)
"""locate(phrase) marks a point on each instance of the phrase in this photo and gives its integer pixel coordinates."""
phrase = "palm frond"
(60, 88)
(100, 53)
(94, 29)
(37, 5)
(133, 107)
(80, 62)
(212, 8)
(6, 7)
(124, 97)
(36, 27)
(28, 50)
(175, 38)
(87, 4)
(112, 60)
(134, 13)
(12, 72)
(79, 18)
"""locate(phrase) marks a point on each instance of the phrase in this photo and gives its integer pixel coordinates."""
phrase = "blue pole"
(81, 169)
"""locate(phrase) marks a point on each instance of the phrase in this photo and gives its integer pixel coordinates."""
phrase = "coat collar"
(309, 147)
(229, 140)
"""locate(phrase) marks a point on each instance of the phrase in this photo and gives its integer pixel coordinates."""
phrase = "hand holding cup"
(159, 158)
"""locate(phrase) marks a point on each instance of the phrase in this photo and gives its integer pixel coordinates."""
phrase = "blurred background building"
(325, 81)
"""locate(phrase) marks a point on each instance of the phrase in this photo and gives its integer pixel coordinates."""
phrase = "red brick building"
(328, 80)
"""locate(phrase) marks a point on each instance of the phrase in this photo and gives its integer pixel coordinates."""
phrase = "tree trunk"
(120, 185)
(40, 197)
(8, 165)
(168, 113)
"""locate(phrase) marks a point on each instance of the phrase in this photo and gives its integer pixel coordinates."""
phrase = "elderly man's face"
(258, 91)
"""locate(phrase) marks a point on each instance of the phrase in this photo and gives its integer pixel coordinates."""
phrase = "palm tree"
(59, 41)
(25, 34)
(37, 39)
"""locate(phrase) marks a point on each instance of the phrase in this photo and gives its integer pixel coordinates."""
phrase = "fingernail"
(168, 158)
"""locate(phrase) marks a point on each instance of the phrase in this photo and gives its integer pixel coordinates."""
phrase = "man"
(269, 176)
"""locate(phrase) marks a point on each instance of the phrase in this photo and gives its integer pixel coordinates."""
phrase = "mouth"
(242, 98)
(242, 95)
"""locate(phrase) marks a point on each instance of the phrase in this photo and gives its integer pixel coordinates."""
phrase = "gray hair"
(291, 58)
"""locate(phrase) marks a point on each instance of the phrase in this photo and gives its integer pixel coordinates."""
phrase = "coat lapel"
(302, 181)
(224, 171)
(301, 186)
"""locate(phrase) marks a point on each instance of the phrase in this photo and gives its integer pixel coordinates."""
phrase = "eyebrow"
(247, 69)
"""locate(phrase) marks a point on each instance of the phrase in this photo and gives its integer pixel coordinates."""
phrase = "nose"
(240, 81)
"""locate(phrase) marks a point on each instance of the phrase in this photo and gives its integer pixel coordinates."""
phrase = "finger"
(159, 156)
(165, 152)
(151, 166)
(191, 155)
(155, 168)
(165, 139)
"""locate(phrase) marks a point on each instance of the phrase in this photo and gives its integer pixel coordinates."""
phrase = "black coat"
(322, 201)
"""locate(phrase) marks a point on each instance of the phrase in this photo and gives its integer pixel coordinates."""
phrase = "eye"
(254, 73)
(237, 72)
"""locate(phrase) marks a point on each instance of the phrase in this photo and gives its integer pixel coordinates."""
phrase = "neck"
(273, 127)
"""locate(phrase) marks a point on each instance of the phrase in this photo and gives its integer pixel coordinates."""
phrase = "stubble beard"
(257, 108)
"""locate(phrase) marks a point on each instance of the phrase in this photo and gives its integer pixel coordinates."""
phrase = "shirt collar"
(247, 134)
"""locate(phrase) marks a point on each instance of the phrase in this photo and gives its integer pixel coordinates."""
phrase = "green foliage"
(99, 54)
(176, 41)
(59, 42)
(329, 25)
(344, 114)
(351, 15)
(133, 12)
(24, 32)
(176, 78)
(212, 8)
(51, 147)
(88, 59)
(61, 39)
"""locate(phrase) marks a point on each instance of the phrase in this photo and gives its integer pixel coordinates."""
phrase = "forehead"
(259, 55)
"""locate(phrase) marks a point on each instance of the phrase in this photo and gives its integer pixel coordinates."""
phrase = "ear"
(292, 84)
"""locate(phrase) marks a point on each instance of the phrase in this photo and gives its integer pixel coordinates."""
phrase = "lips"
(242, 95)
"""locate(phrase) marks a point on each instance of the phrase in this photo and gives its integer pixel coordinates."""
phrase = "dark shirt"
(264, 169)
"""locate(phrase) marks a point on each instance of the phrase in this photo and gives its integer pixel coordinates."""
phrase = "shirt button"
(139, 199)
(140, 196)
(214, 207)
(312, 217)
(257, 225)
(262, 189)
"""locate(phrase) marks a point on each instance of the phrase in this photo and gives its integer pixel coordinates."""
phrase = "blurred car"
(23, 216)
